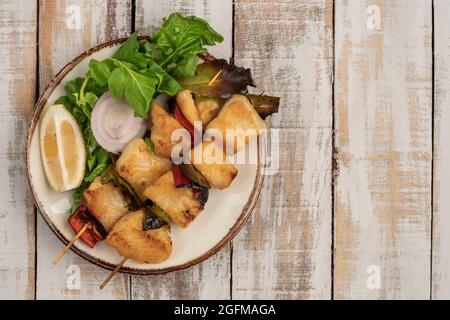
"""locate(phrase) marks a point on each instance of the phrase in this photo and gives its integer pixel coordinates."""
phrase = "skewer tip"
(70, 244)
(113, 273)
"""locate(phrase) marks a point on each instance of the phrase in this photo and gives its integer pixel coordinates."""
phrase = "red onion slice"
(114, 124)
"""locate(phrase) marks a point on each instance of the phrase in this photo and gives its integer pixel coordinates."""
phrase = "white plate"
(224, 214)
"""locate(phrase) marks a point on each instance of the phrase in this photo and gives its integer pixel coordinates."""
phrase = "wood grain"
(383, 108)
(17, 75)
(211, 278)
(441, 153)
(58, 44)
(284, 252)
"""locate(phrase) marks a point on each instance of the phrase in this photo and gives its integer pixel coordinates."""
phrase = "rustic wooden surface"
(359, 207)
(441, 156)
(383, 116)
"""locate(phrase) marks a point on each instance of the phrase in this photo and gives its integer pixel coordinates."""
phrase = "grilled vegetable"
(180, 204)
(181, 180)
(264, 105)
(152, 221)
(160, 213)
(201, 194)
(79, 219)
(177, 114)
(218, 78)
(192, 173)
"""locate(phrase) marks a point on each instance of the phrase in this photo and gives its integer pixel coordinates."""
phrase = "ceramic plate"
(223, 216)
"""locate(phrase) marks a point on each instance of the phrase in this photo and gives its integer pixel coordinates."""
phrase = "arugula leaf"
(73, 87)
(138, 89)
(167, 84)
(129, 52)
(178, 31)
(100, 71)
(65, 101)
(76, 197)
(89, 140)
(146, 48)
(180, 38)
(98, 161)
(186, 67)
(116, 83)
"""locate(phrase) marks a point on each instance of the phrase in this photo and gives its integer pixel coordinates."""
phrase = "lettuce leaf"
(228, 79)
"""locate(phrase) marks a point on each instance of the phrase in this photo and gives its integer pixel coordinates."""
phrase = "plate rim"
(38, 108)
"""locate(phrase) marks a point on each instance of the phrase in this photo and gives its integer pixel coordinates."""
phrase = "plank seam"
(133, 29)
(334, 168)
(432, 149)
(233, 31)
(133, 16)
(36, 96)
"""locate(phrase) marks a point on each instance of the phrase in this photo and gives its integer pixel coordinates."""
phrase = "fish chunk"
(163, 127)
(180, 204)
(213, 165)
(106, 202)
(130, 239)
(139, 166)
(238, 115)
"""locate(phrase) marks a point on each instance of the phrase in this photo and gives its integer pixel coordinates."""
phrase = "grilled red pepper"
(181, 180)
(78, 220)
(183, 121)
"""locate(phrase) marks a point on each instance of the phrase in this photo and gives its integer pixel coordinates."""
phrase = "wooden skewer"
(215, 77)
(113, 273)
(70, 244)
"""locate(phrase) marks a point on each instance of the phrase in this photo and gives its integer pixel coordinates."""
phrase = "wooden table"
(360, 207)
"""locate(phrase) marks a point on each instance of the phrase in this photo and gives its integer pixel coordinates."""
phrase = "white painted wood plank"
(210, 279)
(441, 152)
(17, 92)
(383, 108)
(100, 21)
(284, 251)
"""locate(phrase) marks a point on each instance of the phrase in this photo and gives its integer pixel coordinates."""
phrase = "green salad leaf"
(129, 52)
(180, 39)
(138, 88)
(218, 78)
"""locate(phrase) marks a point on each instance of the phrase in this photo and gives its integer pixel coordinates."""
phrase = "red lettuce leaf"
(208, 81)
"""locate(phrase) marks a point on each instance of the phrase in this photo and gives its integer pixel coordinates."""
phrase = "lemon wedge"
(62, 148)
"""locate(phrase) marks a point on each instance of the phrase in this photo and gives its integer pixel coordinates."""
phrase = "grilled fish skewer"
(140, 236)
(91, 223)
